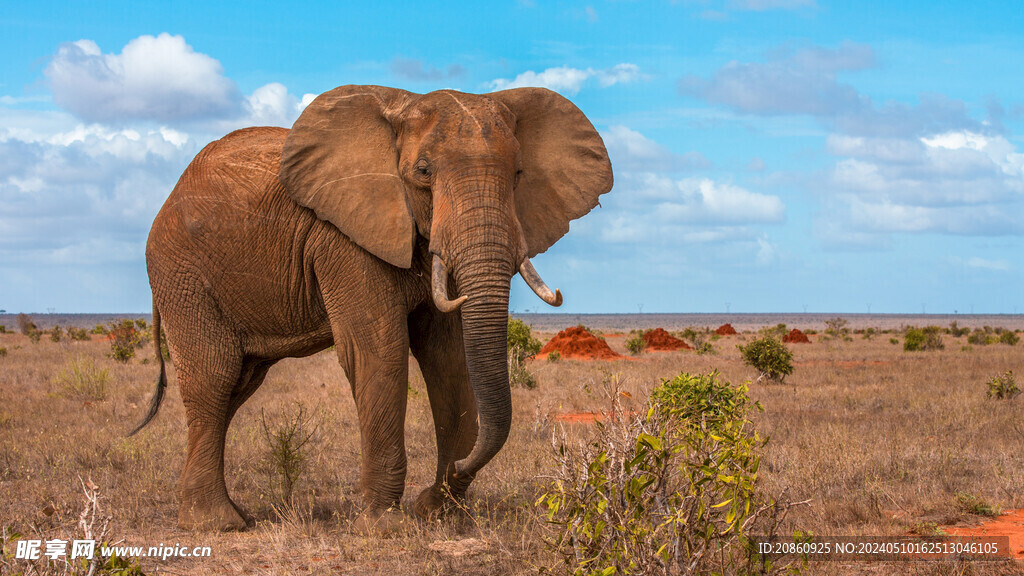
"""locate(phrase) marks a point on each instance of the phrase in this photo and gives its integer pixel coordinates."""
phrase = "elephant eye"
(519, 175)
(423, 168)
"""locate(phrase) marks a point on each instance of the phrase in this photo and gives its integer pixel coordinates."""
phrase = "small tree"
(927, 338)
(125, 338)
(287, 440)
(521, 345)
(837, 328)
(1009, 337)
(771, 358)
(25, 324)
(636, 343)
(673, 490)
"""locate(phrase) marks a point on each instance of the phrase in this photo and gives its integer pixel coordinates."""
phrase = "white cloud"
(153, 78)
(985, 264)
(631, 150)
(570, 80)
(272, 105)
(704, 200)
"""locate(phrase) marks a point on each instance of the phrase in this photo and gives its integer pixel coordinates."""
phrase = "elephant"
(382, 222)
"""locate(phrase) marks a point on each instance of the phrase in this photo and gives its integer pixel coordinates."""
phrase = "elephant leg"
(215, 379)
(376, 363)
(436, 341)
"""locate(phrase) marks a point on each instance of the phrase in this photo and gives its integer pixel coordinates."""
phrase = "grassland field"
(881, 441)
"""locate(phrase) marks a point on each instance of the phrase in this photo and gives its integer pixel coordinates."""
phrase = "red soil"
(1010, 524)
(577, 343)
(660, 340)
(795, 336)
(725, 330)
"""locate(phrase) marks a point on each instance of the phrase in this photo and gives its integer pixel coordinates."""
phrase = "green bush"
(554, 356)
(777, 331)
(34, 336)
(894, 340)
(3, 351)
(3, 329)
(78, 334)
(80, 379)
(979, 337)
(125, 339)
(636, 343)
(56, 334)
(1009, 337)
(771, 358)
(99, 329)
(927, 338)
(672, 491)
(521, 345)
(1003, 387)
(957, 331)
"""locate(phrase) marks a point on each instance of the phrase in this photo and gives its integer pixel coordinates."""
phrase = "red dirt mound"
(577, 343)
(725, 330)
(660, 340)
(1010, 524)
(795, 336)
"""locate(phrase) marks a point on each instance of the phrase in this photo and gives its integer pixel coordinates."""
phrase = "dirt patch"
(577, 343)
(795, 336)
(659, 340)
(725, 330)
(1010, 524)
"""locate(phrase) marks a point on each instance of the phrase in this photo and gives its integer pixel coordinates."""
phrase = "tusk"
(440, 288)
(534, 281)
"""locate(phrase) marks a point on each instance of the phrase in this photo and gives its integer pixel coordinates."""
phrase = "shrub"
(869, 333)
(636, 343)
(287, 441)
(894, 340)
(837, 329)
(125, 338)
(971, 504)
(80, 379)
(699, 341)
(99, 329)
(1003, 387)
(1008, 337)
(777, 331)
(957, 331)
(979, 337)
(554, 356)
(3, 351)
(771, 358)
(918, 339)
(56, 334)
(34, 336)
(521, 345)
(78, 334)
(3, 329)
(25, 324)
(672, 491)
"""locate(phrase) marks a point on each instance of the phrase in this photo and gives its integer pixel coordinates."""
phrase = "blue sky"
(769, 155)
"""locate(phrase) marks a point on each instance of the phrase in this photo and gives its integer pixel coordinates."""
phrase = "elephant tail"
(161, 383)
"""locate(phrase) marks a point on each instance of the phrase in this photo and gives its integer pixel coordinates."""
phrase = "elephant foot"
(437, 501)
(380, 522)
(221, 516)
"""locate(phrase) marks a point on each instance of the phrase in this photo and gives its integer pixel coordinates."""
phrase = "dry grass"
(881, 440)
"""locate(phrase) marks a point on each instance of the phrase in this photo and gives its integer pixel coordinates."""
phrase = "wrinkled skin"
(279, 243)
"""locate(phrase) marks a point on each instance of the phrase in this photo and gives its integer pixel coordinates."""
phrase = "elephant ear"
(565, 164)
(341, 161)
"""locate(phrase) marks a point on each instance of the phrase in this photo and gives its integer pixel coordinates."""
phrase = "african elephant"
(382, 221)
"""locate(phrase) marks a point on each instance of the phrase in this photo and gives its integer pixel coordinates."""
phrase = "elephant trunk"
(483, 256)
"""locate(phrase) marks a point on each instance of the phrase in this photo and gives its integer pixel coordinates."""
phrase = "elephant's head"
(490, 180)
